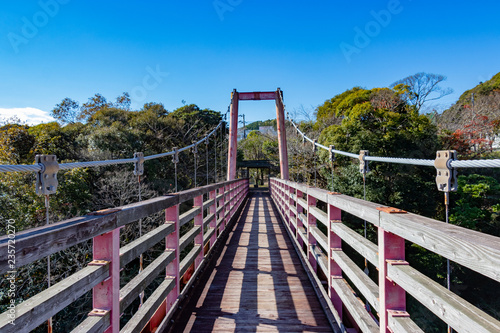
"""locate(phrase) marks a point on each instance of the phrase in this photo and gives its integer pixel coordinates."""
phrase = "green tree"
(476, 204)
(196, 121)
(422, 87)
(123, 101)
(378, 120)
(92, 106)
(66, 112)
(16, 144)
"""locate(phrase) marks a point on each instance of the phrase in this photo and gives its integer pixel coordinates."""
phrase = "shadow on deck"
(258, 282)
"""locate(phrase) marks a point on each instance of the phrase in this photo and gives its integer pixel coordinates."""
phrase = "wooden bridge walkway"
(258, 284)
(247, 275)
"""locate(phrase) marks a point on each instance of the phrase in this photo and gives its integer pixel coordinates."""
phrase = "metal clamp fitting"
(139, 164)
(175, 157)
(314, 145)
(446, 178)
(363, 164)
(46, 179)
(332, 154)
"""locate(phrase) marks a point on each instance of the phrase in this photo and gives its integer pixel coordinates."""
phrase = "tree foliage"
(106, 131)
(422, 87)
(379, 120)
(257, 124)
(481, 101)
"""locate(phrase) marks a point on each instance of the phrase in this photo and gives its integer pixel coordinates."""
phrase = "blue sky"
(199, 51)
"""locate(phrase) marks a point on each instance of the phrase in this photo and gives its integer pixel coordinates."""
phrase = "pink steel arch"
(233, 128)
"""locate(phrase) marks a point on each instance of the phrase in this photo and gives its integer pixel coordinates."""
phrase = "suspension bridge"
(258, 260)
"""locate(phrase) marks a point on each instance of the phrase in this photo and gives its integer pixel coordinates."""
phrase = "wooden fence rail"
(102, 275)
(298, 206)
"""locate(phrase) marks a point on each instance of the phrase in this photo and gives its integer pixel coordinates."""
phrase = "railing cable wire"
(74, 165)
(494, 163)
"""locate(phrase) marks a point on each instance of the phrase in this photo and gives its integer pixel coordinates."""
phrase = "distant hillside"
(486, 103)
(256, 124)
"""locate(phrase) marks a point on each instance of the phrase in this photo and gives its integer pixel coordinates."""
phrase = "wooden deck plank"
(258, 284)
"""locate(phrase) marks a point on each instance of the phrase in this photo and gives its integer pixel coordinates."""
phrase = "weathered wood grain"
(365, 285)
(132, 250)
(258, 283)
(363, 209)
(140, 282)
(319, 215)
(320, 237)
(208, 203)
(189, 259)
(457, 312)
(208, 234)
(302, 217)
(403, 325)
(302, 203)
(472, 249)
(207, 220)
(146, 311)
(318, 193)
(299, 186)
(93, 325)
(219, 210)
(219, 221)
(42, 306)
(301, 231)
(139, 210)
(38, 243)
(362, 245)
(355, 307)
(188, 237)
(321, 258)
(189, 215)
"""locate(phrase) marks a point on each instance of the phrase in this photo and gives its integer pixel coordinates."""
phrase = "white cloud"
(30, 116)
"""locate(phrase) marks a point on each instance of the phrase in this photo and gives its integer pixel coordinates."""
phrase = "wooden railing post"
(300, 210)
(335, 243)
(198, 221)
(106, 295)
(231, 200)
(172, 244)
(286, 202)
(222, 213)
(392, 297)
(236, 196)
(311, 222)
(282, 199)
(291, 192)
(172, 271)
(213, 210)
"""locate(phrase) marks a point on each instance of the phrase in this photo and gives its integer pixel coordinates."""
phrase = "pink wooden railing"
(297, 204)
(102, 275)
